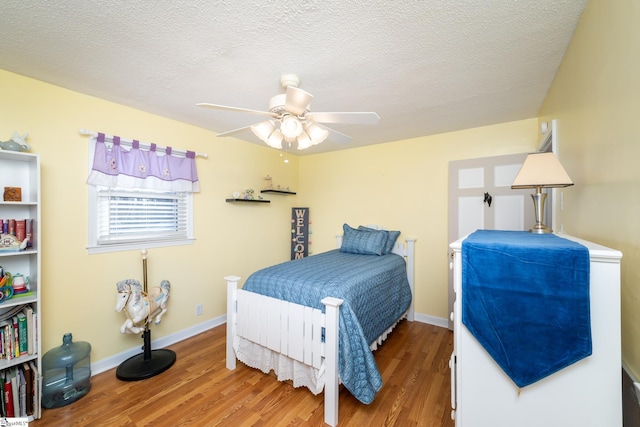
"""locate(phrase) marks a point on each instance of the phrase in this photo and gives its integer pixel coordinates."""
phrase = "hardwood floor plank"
(198, 390)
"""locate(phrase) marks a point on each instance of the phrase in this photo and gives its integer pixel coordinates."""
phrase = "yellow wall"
(404, 186)
(596, 99)
(78, 290)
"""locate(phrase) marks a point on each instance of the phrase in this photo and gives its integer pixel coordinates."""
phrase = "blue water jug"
(66, 373)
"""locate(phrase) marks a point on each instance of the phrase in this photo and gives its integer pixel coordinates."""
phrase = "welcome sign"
(299, 233)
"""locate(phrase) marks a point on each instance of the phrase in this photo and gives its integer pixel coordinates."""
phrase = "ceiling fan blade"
(336, 136)
(356, 118)
(234, 131)
(297, 100)
(240, 110)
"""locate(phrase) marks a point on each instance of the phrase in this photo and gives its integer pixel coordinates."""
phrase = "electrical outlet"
(198, 309)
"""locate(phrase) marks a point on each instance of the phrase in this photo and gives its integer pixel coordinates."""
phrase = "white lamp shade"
(541, 170)
(290, 128)
(304, 141)
(263, 130)
(316, 133)
(275, 140)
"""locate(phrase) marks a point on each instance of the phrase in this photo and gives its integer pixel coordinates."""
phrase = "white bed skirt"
(285, 368)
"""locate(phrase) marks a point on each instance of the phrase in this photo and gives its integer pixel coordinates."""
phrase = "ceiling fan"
(291, 120)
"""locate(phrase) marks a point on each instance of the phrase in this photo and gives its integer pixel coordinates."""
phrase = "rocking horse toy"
(141, 308)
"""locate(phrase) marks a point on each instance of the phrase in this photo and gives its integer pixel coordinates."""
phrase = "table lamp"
(541, 170)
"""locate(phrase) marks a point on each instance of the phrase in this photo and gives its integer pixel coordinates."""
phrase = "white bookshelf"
(23, 170)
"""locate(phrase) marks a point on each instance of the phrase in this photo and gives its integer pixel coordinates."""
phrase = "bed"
(316, 320)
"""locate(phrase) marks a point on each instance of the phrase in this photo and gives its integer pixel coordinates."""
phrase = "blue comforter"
(375, 291)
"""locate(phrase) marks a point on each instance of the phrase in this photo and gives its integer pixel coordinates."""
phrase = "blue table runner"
(525, 298)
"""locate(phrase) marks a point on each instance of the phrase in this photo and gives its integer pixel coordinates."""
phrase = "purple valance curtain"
(142, 169)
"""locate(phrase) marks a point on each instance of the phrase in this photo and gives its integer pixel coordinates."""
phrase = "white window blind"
(130, 216)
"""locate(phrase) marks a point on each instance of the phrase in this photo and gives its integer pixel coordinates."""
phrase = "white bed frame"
(295, 330)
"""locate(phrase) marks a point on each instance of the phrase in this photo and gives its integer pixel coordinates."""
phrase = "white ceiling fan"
(291, 120)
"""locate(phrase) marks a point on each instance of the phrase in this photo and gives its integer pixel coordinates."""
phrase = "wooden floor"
(198, 390)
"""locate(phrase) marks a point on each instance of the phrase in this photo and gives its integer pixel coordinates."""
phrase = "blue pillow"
(392, 236)
(362, 242)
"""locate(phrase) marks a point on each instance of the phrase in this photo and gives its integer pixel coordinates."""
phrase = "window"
(124, 219)
(138, 200)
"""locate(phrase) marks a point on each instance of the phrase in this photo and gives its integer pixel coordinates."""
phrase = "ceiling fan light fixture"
(263, 130)
(304, 141)
(275, 139)
(316, 133)
(290, 127)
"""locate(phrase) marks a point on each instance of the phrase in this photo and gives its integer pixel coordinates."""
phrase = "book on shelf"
(15, 390)
(23, 343)
(3, 406)
(29, 380)
(21, 229)
(16, 337)
(8, 394)
(18, 332)
(28, 312)
(22, 391)
(37, 389)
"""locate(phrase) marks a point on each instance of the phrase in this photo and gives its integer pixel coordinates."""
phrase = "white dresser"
(585, 394)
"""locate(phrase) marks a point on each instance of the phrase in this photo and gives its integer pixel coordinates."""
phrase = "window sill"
(137, 246)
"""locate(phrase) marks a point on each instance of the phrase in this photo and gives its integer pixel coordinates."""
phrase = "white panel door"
(469, 209)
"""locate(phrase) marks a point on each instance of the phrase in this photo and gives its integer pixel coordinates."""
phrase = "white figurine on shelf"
(268, 183)
(16, 143)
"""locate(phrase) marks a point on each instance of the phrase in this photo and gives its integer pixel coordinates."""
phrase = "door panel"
(470, 214)
(510, 216)
(509, 209)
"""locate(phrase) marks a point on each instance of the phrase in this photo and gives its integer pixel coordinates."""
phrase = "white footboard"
(289, 329)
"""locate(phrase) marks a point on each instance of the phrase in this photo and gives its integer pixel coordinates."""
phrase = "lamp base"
(538, 203)
(541, 229)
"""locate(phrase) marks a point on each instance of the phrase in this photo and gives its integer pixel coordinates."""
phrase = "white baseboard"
(432, 320)
(115, 360)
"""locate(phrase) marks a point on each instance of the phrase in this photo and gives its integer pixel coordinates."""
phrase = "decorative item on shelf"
(268, 183)
(12, 194)
(16, 143)
(6, 291)
(236, 194)
(20, 284)
(10, 243)
(248, 194)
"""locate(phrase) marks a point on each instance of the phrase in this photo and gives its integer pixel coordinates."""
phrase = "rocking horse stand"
(150, 362)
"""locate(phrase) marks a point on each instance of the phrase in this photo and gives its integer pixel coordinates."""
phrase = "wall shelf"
(278, 192)
(248, 201)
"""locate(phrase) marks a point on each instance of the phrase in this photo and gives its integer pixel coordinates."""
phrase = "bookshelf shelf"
(21, 358)
(248, 201)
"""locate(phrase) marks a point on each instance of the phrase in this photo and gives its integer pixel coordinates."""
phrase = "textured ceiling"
(425, 66)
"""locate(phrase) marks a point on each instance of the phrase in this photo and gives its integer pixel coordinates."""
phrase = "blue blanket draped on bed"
(525, 297)
(375, 291)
